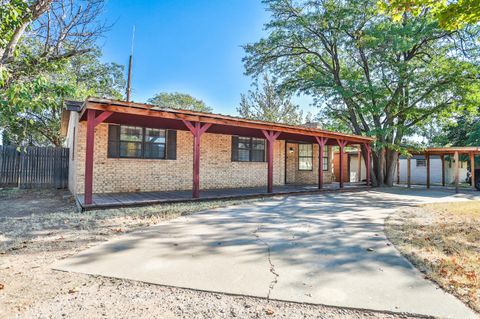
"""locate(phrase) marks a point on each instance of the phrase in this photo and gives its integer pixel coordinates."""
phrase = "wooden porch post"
(442, 158)
(197, 130)
(409, 172)
(398, 168)
(367, 163)
(472, 167)
(427, 157)
(321, 149)
(271, 137)
(89, 157)
(359, 169)
(341, 144)
(457, 177)
(92, 122)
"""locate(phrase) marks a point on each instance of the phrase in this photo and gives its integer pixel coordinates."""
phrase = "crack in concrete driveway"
(269, 258)
(318, 243)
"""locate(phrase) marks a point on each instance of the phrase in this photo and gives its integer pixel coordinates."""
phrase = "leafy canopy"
(47, 53)
(178, 100)
(379, 77)
(451, 15)
(461, 130)
(32, 105)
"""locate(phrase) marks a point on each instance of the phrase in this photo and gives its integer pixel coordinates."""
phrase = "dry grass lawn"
(443, 241)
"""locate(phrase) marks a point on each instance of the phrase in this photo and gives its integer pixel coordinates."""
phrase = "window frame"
(299, 157)
(120, 141)
(420, 160)
(250, 149)
(142, 143)
(325, 157)
(145, 143)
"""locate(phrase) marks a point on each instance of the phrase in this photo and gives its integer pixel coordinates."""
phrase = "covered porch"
(97, 111)
(454, 153)
(111, 200)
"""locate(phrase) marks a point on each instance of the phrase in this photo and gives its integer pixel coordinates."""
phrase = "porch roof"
(447, 150)
(140, 114)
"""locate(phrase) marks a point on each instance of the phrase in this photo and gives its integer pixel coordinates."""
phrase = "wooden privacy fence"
(33, 167)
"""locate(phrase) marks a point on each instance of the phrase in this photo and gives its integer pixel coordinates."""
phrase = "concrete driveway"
(312, 248)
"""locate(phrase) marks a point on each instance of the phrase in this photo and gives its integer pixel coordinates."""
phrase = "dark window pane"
(421, 163)
(154, 136)
(244, 142)
(258, 144)
(154, 150)
(131, 133)
(243, 155)
(258, 155)
(248, 149)
(171, 148)
(130, 149)
(113, 148)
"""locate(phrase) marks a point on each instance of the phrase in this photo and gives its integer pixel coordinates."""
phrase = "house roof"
(140, 114)
(73, 105)
(70, 106)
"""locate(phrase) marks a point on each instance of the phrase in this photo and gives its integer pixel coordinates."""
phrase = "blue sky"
(187, 46)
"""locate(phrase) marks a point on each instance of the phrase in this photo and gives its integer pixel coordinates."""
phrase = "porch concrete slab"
(309, 248)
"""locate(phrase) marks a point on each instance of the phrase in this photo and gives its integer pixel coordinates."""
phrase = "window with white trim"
(305, 157)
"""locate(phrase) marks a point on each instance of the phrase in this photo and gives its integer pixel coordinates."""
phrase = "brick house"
(118, 146)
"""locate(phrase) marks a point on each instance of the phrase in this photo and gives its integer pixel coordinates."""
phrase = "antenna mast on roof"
(129, 79)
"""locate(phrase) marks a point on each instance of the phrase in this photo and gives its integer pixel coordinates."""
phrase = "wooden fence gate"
(33, 167)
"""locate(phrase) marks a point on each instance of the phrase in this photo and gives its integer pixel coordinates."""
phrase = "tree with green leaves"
(180, 101)
(460, 130)
(60, 29)
(451, 15)
(267, 103)
(40, 98)
(379, 77)
(47, 53)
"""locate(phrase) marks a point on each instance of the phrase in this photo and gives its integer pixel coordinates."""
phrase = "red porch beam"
(359, 168)
(102, 117)
(321, 149)
(92, 122)
(197, 130)
(271, 137)
(192, 116)
(367, 163)
(341, 144)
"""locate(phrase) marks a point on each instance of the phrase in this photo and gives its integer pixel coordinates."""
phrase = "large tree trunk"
(384, 162)
(391, 163)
